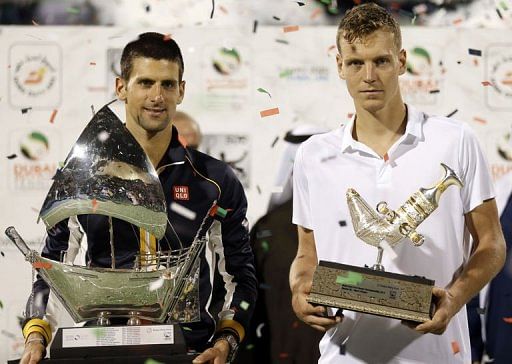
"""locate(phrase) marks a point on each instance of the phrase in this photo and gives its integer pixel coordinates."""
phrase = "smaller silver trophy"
(372, 290)
(108, 173)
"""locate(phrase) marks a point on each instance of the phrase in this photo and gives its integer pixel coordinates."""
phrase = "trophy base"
(115, 342)
(142, 359)
(375, 292)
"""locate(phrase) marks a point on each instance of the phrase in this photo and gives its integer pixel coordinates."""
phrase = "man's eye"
(168, 85)
(382, 61)
(145, 83)
(355, 63)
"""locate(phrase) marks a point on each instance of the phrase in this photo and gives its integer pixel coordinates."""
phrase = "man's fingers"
(206, 356)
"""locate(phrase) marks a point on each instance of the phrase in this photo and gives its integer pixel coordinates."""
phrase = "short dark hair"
(151, 45)
(361, 21)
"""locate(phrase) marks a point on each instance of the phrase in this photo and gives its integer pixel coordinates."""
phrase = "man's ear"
(182, 92)
(402, 59)
(121, 89)
(341, 70)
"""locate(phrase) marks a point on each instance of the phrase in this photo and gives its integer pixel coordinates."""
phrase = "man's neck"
(382, 129)
(154, 144)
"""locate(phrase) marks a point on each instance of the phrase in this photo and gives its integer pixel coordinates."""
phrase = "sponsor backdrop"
(53, 78)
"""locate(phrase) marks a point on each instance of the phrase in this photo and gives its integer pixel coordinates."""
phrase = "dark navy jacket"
(207, 179)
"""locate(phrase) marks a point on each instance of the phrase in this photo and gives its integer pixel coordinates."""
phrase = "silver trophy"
(372, 290)
(108, 173)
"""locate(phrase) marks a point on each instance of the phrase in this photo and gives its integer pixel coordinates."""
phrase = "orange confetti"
(34, 22)
(223, 9)
(386, 157)
(269, 112)
(92, 63)
(295, 324)
(167, 37)
(94, 203)
(283, 355)
(475, 61)
(52, 116)
(480, 120)
(457, 21)
(508, 320)
(290, 28)
(486, 83)
(43, 265)
(349, 115)
(455, 347)
(315, 13)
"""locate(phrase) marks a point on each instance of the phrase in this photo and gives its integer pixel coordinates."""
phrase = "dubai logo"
(501, 76)
(226, 61)
(35, 146)
(419, 62)
(34, 75)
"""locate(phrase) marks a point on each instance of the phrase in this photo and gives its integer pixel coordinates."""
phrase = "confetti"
(183, 211)
(43, 265)
(499, 13)
(152, 361)
(290, 28)
(73, 10)
(452, 113)
(52, 116)
(480, 120)
(282, 41)
(92, 63)
(92, 109)
(186, 328)
(269, 112)
(434, 91)
(103, 136)
(94, 204)
(276, 18)
(475, 52)
(283, 355)
(386, 157)
(315, 13)
(503, 5)
(244, 305)
(258, 329)
(223, 9)
(35, 23)
(1, 304)
(486, 83)
(455, 347)
(249, 347)
(285, 73)
(213, 9)
(272, 146)
(457, 21)
(265, 246)
(25, 110)
(167, 37)
(255, 26)
(3, 254)
(259, 189)
(12, 156)
(508, 320)
(300, 3)
(342, 223)
(262, 90)
(295, 324)
(148, 8)
(330, 49)
(155, 285)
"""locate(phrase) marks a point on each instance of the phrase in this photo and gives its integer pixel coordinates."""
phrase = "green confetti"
(244, 305)
(503, 5)
(152, 361)
(282, 41)
(73, 10)
(221, 212)
(352, 279)
(1, 304)
(264, 91)
(285, 73)
(265, 246)
(186, 328)
(250, 347)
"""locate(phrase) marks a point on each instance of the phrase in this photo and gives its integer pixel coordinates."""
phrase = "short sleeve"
(301, 206)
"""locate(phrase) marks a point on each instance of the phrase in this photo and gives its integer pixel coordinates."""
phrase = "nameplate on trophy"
(117, 336)
(375, 292)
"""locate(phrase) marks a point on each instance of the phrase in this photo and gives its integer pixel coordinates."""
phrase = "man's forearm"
(302, 269)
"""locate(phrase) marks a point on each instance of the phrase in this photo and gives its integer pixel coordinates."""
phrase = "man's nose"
(156, 93)
(369, 73)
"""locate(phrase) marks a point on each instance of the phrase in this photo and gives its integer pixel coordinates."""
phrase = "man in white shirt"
(387, 152)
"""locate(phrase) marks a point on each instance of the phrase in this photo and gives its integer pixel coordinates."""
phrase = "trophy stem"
(378, 266)
(111, 231)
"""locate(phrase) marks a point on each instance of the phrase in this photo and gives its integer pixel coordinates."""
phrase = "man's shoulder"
(319, 141)
(215, 168)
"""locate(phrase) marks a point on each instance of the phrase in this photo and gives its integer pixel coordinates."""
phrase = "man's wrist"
(229, 340)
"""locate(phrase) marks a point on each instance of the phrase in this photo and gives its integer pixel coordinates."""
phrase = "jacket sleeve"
(236, 262)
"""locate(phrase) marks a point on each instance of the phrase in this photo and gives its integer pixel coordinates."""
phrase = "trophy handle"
(18, 241)
(433, 194)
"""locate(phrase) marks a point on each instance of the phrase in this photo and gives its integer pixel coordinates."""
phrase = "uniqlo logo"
(180, 193)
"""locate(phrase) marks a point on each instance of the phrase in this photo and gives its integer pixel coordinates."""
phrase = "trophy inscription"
(372, 290)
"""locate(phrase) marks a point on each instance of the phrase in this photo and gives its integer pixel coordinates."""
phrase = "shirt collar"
(414, 129)
(176, 151)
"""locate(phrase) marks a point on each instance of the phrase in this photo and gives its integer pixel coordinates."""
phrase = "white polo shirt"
(328, 164)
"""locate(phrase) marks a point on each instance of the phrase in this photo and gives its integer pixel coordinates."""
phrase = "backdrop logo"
(35, 75)
(421, 83)
(498, 71)
(40, 151)
(35, 146)
(305, 73)
(226, 61)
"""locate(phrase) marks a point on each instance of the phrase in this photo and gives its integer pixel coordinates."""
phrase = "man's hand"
(216, 355)
(34, 349)
(446, 308)
(311, 315)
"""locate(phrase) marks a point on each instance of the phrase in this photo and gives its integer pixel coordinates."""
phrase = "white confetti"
(183, 211)
(103, 136)
(153, 286)
(258, 329)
